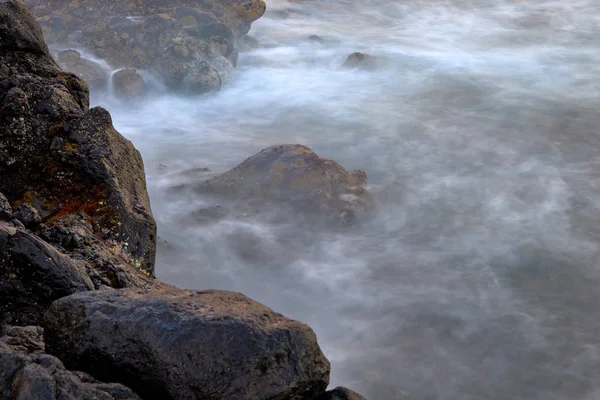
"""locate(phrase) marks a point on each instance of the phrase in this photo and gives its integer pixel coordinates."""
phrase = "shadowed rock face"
(295, 174)
(33, 274)
(26, 372)
(183, 345)
(60, 157)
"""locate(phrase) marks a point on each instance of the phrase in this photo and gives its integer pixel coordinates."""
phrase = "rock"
(19, 30)
(294, 174)
(6, 212)
(69, 162)
(195, 32)
(361, 61)
(204, 79)
(16, 102)
(33, 274)
(128, 84)
(316, 39)
(28, 215)
(26, 372)
(174, 344)
(208, 215)
(92, 73)
(341, 393)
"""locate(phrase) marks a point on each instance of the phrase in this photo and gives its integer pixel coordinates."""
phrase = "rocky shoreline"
(79, 304)
(189, 46)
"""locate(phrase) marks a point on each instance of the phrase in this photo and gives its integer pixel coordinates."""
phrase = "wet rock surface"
(294, 174)
(128, 84)
(171, 41)
(187, 344)
(26, 372)
(92, 73)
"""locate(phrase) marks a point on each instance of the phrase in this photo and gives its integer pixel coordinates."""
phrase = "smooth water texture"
(478, 277)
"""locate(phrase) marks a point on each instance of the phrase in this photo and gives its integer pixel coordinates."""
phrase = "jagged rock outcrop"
(184, 345)
(191, 46)
(26, 372)
(61, 158)
(294, 174)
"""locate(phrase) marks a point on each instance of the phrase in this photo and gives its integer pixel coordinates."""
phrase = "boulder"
(33, 274)
(294, 174)
(128, 84)
(341, 393)
(175, 344)
(62, 158)
(361, 61)
(91, 72)
(26, 372)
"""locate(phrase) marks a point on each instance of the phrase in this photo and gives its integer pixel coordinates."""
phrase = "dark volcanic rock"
(28, 215)
(32, 275)
(6, 211)
(175, 344)
(27, 373)
(128, 84)
(62, 158)
(296, 175)
(341, 393)
(18, 29)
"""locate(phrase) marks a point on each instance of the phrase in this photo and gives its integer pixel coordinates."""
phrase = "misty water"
(478, 276)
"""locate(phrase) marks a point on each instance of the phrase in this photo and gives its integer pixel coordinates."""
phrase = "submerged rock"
(26, 372)
(128, 84)
(361, 61)
(175, 344)
(294, 174)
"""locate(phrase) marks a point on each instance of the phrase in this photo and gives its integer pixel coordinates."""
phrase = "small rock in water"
(209, 214)
(293, 174)
(316, 39)
(128, 84)
(202, 79)
(361, 60)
